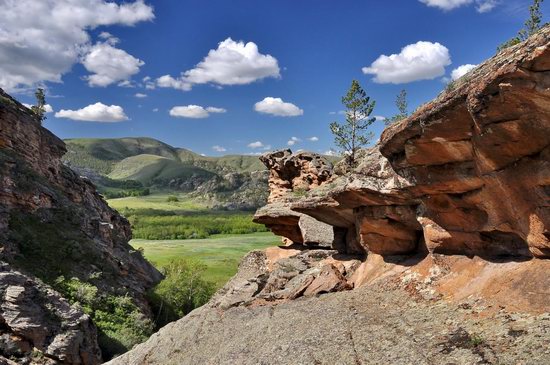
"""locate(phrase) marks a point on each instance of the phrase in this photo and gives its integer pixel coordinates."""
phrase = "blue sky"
(303, 57)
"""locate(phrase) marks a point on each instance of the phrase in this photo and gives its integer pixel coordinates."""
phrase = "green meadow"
(221, 253)
(186, 228)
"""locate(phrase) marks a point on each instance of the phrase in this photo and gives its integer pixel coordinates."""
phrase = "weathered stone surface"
(398, 316)
(294, 172)
(33, 317)
(307, 272)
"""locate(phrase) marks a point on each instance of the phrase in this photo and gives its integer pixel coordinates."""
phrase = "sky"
(242, 76)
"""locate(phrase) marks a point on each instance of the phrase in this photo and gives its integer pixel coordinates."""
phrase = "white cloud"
(189, 111)
(482, 6)
(313, 139)
(47, 108)
(97, 112)
(276, 106)
(194, 111)
(330, 153)
(419, 61)
(232, 63)
(156, 110)
(140, 95)
(109, 65)
(293, 140)
(256, 144)
(219, 148)
(169, 81)
(41, 40)
(461, 71)
(212, 109)
(126, 83)
(379, 118)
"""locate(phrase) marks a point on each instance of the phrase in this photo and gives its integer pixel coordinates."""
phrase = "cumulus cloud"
(194, 111)
(169, 81)
(232, 63)
(313, 139)
(482, 6)
(418, 61)
(258, 144)
(140, 95)
(276, 106)
(219, 148)
(109, 65)
(461, 71)
(293, 140)
(212, 109)
(97, 112)
(41, 40)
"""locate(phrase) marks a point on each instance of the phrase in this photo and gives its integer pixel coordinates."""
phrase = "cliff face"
(53, 224)
(435, 248)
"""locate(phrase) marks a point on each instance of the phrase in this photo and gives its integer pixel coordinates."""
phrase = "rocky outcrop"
(290, 177)
(468, 173)
(53, 224)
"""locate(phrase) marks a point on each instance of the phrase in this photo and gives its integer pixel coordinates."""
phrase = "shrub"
(172, 199)
(182, 290)
(120, 323)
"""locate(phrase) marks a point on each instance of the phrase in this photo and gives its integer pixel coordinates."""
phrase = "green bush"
(172, 199)
(182, 290)
(154, 224)
(120, 323)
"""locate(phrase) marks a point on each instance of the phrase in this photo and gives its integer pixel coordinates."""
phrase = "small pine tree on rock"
(40, 108)
(351, 135)
(402, 105)
(531, 26)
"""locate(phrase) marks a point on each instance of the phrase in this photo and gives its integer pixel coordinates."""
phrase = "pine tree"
(40, 108)
(352, 135)
(402, 105)
(531, 26)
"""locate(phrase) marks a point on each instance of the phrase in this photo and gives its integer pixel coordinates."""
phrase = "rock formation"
(53, 224)
(290, 177)
(442, 230)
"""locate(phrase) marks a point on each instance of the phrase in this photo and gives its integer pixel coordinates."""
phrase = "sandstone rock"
(468, 173)
(296, 227)
(328, 280)
(294, 172)
(310, 271)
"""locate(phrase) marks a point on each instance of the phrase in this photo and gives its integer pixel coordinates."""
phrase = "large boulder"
(35, 319)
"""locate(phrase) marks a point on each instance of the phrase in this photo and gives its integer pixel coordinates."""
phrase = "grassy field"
(157, 201)
(221, 254)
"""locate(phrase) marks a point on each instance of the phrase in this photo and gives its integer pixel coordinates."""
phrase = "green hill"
(102, 155)
(150, 169)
